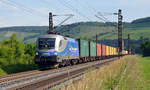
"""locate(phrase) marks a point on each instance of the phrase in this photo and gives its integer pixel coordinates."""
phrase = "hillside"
(81, 30)
(138, 29)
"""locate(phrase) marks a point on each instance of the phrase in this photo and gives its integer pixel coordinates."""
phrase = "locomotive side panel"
(68, 49)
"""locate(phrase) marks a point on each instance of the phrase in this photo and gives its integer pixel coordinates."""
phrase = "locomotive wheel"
(63, 63)
(68, 63)
(74, 61)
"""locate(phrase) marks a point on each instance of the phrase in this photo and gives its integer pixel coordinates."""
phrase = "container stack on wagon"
(92, 50)
(99, 51)
(103, 50)
(84, 50)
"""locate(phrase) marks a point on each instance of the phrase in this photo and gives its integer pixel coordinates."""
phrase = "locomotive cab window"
(47, 43)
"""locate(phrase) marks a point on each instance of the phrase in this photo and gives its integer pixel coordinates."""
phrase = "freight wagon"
(56, 50)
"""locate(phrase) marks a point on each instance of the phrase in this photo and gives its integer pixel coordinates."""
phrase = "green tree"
(19, 51)
(5, 54)
(145, 48)
(30, 49)
(30, 52)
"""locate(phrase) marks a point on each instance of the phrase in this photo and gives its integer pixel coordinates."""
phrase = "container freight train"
(56, 50)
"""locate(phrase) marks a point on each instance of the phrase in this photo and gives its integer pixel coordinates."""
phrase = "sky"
(35, 12)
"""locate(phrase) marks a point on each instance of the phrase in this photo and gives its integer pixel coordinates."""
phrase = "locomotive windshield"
(46, 43)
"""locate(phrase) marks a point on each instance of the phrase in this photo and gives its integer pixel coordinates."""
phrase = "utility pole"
(96, 38)
(129, 47)
(120, 17)
(51, 29)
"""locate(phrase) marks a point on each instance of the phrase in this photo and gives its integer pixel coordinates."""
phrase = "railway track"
(42, 80)
(17, 75)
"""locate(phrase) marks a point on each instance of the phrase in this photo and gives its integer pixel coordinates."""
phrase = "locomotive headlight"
(55, 53)
(36, 53)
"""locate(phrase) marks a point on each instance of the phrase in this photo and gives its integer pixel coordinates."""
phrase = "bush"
(145, 48)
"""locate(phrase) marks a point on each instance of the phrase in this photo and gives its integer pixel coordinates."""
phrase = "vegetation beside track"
(124, 74)
(15, 56)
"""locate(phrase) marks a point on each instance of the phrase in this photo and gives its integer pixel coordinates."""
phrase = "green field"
(145, 67)
(137, 76)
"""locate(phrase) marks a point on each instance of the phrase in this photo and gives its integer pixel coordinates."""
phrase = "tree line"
(145, 48)
(15, 52)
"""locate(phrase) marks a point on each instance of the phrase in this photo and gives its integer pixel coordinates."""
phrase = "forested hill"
(137, 28)
(142, 22)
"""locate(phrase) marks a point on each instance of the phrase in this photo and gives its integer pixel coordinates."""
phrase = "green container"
(92, 48)
(84, 48)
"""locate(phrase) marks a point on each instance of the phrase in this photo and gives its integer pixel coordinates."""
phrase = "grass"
(145, 67)
(124, 74)
(2, 72)
(132, 79)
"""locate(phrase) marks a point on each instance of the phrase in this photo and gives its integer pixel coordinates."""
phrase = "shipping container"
(124, 52)
(114, 51)
(83, 48)
(92, 48)
(103, 50)
(111, 50)
(99, 50)
(107, 50)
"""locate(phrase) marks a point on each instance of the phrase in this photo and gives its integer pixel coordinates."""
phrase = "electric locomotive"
(55, 50)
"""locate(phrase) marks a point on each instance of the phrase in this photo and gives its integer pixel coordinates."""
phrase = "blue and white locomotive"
(56, 50)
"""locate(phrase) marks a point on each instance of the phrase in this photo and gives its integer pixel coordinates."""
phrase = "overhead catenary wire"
(102, 17)
(69, 6)
(27, 10)
(99, 16)
(22, 7)
(13, 5)
(105, 20)
(86, 6)
(60, 21)
(99, 13)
